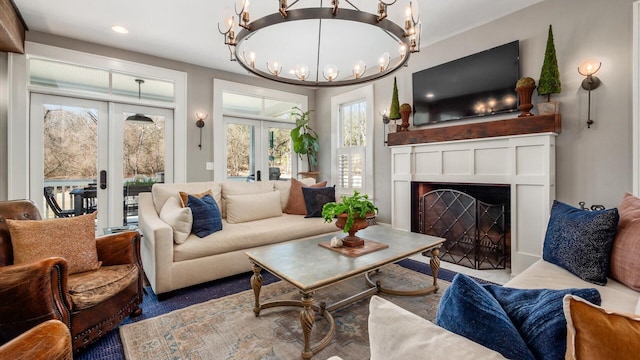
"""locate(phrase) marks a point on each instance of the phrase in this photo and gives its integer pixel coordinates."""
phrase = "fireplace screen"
(474, 230)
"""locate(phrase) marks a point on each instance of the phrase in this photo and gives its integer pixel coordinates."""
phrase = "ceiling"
(188, 30)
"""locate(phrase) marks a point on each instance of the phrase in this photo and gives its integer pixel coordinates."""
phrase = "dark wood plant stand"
(310, 174)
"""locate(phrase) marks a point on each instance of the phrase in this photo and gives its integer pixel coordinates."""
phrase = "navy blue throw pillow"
(315, 198)
(469, 310)
(539, 317)
(206, 215)
(580, 241)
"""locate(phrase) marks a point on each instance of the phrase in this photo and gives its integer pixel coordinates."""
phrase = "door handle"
(103, 179)
(258, 176)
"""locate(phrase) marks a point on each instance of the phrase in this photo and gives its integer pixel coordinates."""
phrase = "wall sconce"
(385, 121)
(200, 124)
(588, 68)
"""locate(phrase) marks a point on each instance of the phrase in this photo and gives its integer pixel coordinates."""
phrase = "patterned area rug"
(226, 328)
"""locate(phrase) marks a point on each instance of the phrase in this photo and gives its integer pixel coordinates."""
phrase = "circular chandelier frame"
(392, 29)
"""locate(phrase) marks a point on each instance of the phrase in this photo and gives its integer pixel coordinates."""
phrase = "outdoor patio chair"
(50, 197)
(89, 199)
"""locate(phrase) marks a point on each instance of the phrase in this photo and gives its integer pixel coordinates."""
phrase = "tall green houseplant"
(394, 112)
(304, 138)
(549, 76)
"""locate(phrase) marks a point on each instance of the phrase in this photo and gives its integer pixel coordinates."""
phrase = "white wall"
(593, 165)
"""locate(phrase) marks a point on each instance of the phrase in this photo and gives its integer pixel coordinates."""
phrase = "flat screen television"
(481, 84)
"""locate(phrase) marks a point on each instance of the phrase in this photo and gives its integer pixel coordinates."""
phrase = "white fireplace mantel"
(525, 162)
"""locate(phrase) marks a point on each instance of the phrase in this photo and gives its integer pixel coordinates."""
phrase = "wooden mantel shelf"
(506, 127)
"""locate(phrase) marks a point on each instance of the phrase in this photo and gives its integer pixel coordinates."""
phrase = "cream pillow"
(397, 334)
(242, 188)
(161, 192)
(73, 239)
(243, 208)
(179, 218)
(638, 307)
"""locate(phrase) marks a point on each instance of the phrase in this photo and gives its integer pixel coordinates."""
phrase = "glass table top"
(309, 266)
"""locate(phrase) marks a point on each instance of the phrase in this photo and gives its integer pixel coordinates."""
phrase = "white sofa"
(170, 266)
(395, 333)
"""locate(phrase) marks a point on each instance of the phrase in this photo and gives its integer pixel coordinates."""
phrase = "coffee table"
(309, 267)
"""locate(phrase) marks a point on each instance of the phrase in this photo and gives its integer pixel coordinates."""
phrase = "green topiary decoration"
(525, 81)
(394, 112)
(549, 82)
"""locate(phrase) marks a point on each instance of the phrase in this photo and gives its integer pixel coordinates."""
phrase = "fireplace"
(523, 163)
(474, 218)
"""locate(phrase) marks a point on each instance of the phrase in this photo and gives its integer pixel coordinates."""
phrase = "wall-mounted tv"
(477, 85)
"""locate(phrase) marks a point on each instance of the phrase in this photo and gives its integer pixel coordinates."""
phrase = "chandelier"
(324, 46)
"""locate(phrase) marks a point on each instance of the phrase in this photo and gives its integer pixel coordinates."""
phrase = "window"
(352, 152)
(49, 74)
(49, 70)
(255, 143)
(351, 145)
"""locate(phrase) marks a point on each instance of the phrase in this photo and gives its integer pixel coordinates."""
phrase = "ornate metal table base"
(309, 308)
(307, 314)
(434, 263)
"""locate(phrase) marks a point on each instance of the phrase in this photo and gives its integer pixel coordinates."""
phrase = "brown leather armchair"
(35, 292)
(50, 340)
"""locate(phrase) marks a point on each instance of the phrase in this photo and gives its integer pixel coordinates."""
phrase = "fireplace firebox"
(474, 220)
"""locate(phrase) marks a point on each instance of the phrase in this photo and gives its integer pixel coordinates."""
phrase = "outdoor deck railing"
(62, 189)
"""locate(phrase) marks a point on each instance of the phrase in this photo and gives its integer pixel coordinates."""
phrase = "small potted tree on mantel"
(305, 141)
(549, 82)
(352, 214)
(394, 110)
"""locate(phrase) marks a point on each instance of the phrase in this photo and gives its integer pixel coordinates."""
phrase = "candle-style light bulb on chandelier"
(334, 44)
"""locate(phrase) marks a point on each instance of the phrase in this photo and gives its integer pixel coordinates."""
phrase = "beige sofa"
(255, 219)
(395, 333)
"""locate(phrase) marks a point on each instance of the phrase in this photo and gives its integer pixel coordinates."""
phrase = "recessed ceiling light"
(430, 95)
(120, 29)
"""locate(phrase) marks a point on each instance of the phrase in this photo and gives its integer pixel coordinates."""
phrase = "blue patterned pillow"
(539, 317)
(206, 215)
(580, 241)
(315, 198)
(467, 309)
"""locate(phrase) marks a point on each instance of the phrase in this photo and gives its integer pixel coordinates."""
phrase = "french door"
(85, 154)
(258, 150)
